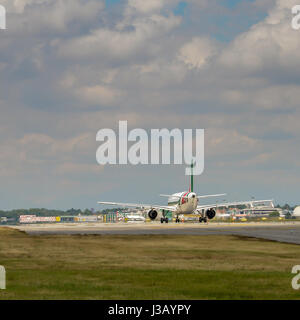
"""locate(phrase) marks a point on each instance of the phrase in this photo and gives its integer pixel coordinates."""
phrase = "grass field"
(146, 267)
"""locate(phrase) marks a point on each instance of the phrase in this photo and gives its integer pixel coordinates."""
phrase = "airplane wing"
(212, 195)
(139, 205)
(205, 196)
(229, 204)
(261, 209)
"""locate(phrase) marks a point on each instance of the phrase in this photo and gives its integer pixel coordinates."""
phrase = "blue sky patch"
(180, 9)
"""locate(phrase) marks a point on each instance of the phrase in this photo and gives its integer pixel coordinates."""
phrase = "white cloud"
(120, 44)
(269, 45)
(36, 16)
(276, 97)
(146, 6)
(224, 142)
(18, 6)
(151, 6)
(100, 95)
(197, 53)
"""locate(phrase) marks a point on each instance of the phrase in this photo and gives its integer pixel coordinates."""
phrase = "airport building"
(28, 219)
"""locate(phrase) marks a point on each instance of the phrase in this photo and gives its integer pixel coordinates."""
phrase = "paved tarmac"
(277, 231)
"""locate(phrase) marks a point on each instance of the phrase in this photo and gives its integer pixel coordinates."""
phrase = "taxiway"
(277, 231)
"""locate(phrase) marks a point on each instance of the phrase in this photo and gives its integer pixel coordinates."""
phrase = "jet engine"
(152, 214)
(210, 213)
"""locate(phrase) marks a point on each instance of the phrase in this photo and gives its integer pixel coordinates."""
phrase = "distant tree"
(87, 212)
(288, 215)
(274, 214)
(73, 212)
(286, 207)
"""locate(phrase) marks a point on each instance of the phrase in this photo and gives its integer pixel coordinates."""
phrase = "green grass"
(146, 267)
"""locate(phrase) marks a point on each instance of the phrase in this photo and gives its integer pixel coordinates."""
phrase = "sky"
(69, 68)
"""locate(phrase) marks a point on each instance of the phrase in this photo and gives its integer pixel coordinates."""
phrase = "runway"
(288, 232)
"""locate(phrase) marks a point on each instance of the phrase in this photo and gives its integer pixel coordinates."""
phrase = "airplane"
(184, 203)
(134, 218)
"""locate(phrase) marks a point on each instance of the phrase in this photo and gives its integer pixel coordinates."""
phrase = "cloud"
(100, 95)
(46, 16)
(37, 152)
(120, 44)
(220, 142)
(19, 6)
(197, 53)
(146, 6)
(268, 48)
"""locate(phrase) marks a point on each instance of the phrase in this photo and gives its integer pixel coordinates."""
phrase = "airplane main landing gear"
(177, 220)
(164, 218)
(203, 219)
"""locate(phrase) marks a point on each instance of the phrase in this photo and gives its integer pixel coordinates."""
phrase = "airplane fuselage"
(186, 202)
